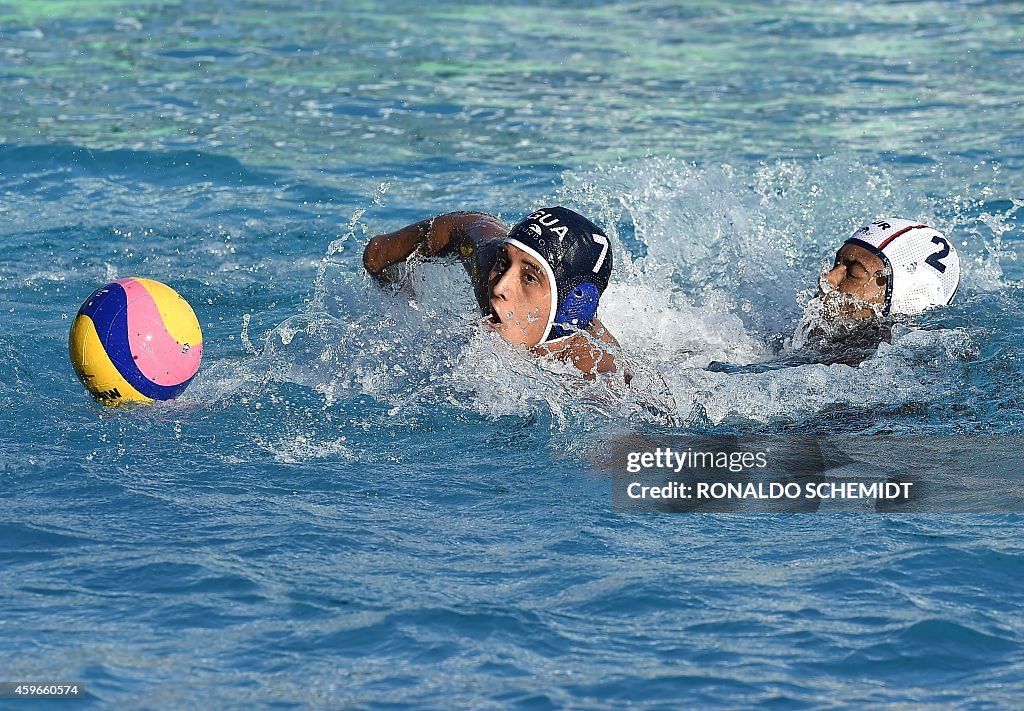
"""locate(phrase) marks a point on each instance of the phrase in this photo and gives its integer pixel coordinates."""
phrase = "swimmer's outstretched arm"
(440, 236)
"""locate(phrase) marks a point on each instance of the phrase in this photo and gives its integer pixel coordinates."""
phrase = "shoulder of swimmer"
(585, 351)
(460, 233)
(600, 331)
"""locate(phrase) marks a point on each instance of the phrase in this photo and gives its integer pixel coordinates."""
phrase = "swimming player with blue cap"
(540, 283)
(894, 266)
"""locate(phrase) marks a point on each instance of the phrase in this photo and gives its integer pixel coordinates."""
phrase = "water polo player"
(539, 283)
(887, 269)
(892, 267)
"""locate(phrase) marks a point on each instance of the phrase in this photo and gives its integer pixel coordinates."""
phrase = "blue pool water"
(363, 502)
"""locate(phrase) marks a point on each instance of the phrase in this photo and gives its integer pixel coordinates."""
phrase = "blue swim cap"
(577, 256)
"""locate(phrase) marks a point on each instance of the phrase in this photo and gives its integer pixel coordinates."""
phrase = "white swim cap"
(924, 269)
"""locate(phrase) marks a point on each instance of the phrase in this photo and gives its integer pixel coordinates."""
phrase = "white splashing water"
(711, 265)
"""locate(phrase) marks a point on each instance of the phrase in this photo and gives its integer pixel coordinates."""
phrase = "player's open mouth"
(494, 318)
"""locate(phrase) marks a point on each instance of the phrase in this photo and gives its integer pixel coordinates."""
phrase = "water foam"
(714, 266)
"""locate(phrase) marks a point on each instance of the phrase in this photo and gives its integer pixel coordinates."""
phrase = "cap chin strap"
(552, 284)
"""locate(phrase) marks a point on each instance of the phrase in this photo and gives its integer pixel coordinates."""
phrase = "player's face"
(860, 274)
(520, 297)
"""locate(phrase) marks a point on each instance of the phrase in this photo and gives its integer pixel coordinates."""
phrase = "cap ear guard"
(577, 311)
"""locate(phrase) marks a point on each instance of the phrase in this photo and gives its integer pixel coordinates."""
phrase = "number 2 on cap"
(935, 260)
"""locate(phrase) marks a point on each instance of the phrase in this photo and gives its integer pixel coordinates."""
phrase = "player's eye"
(857, 271)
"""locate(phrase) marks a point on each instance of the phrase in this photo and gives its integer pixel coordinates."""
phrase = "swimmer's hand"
(439, 236)
(388, 249)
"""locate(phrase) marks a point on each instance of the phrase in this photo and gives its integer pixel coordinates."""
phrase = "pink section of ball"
(157, 354)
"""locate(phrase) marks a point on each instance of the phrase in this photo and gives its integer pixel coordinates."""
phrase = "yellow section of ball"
(94, 368)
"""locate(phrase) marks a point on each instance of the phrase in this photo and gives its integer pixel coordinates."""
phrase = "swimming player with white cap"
(540, 282)
(890, 267)
(895, 266)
